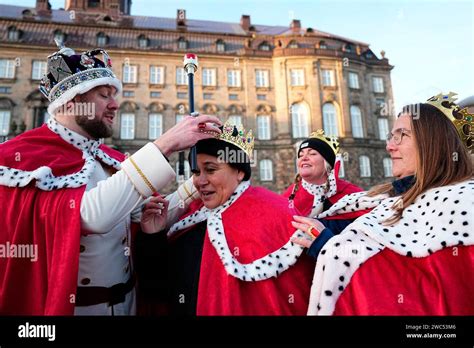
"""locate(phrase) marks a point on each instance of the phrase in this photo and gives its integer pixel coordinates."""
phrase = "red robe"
(392, 284)
(258, 223)
(49, 220)
(303, 200)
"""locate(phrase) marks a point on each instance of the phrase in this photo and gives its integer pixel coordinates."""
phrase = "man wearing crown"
(232, 252)
(69, 200)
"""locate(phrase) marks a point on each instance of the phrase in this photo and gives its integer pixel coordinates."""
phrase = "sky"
(429, 43)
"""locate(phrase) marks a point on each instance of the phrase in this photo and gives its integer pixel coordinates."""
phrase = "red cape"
(303, 200)
(258, 223)
(46, 220)
(391, 284)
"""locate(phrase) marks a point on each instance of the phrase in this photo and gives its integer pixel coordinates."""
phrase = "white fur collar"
(441, 217)
(271, 265)
(45, 180)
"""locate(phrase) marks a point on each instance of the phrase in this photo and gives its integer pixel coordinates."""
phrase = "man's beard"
(94, 127)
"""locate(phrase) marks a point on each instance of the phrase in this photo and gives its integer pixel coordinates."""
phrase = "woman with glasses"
(412, 254)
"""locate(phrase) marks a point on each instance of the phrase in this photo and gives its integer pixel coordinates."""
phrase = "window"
(235, 120)
(323, 45)
(5, 122)
(263, 127)
(179, 118)
(13, 34)
(129, 73)
(155, 94)
(207, 96)
(5, 90)
(39, 69)
(155, 125)
(356, 119)
(101, 39)
(330, 120)
(364, 166)
(293, 44)
(380, 104)
(349, 48)
(181, 78)
(387, 167)
(342, 173)
(220, 46)
(182, 44)
(266, 170)
(327, 77)
(233, 97)
(353, 80)
(233, 78)
(300, 120)
(181, 95)
(157, 75)
(264, 46)
(93, 3)
(143, 41)
(297, 77)
(7, 69)
(59, 36)
(378, 84)
(208, 77)
(128, 94)
(261, 97)
(127, 126)
(187, 170)
(261, 78)
(383, 128)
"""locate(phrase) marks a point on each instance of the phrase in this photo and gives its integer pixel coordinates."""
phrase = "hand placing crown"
(461, 118)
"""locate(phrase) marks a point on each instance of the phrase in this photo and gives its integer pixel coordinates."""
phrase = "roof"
(61, 16)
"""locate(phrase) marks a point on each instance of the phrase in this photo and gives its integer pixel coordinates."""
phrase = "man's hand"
(187, 133)
(154, 215)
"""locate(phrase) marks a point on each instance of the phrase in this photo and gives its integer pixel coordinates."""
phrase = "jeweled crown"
(235, 134)
(328, 139)
(461, 118)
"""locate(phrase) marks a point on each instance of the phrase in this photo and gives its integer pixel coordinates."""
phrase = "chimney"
(245, 22)
(181, 18)
(43, 7)
(295, 25)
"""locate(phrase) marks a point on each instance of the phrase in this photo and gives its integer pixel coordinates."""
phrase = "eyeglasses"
(397, 135)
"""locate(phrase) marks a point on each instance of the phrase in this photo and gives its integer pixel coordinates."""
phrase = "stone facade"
(143, 42)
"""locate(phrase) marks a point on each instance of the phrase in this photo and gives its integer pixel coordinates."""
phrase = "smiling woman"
(231, 253)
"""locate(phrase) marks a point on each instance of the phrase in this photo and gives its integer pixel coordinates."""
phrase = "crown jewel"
(235, 134)
(461, 118)
(328, 139)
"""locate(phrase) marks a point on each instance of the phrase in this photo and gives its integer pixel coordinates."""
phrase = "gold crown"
(461, 118)
(328, 139)
(236, 135)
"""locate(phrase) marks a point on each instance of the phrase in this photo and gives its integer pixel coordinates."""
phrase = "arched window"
(220, 46)
(300, 120)
(293, 44)
(356, 119)
(13, 34)
(182, 43)
(102, 39)
(364, 166)
(143, 41)
(264, 46)
(330, 119)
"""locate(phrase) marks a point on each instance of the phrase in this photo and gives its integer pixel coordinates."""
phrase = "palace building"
(283, 82)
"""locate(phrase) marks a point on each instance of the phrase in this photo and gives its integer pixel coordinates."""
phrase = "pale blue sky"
(430, 43)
